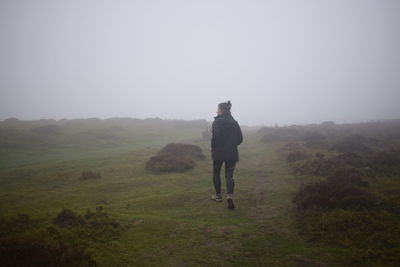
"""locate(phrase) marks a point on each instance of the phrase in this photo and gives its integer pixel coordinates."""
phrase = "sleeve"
(240, 135)
(216, 133)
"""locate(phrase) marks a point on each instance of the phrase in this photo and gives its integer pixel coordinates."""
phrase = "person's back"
(226, 136)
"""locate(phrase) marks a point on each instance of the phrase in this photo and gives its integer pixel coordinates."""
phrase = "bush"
(345, 164)
(352, 143)
(335, 193)
(341, 211)
(344, 210)
(34, 251)
(24, 242)
(93, 225)
(370, 164)
(369, 236)
(314, 139)
(182, 151)
(169, 163)
(385, 163)
(175, 158)
(68, 218)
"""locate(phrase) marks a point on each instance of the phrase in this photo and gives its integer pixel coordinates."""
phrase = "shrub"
(93, 225)
(335, 193)
(345, 164)
(385, 163)
(182, 150)
(68, 218)
(24, 242)
(352, 143)
(314, 139)
(39, 251)
(353, 164)
(342, 212)
(175, 158)
(169, 163)
(370, 236)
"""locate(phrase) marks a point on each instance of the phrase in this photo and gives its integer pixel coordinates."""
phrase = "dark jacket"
(226, 136)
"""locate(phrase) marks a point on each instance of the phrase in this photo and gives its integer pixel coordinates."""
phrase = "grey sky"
(278, 61)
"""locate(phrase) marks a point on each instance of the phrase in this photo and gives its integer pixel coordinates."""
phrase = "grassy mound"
(175, 158)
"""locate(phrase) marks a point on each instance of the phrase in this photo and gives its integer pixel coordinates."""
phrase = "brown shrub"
(169, 163)
(68, 218)
(333, 193)
(182, 151)
(352, 143)
(30, 251)
(175, 158)
(314, 139)
(94, 225)
(24, 242)
(346, 164)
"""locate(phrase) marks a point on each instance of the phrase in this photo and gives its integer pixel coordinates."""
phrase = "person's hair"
(225, 107)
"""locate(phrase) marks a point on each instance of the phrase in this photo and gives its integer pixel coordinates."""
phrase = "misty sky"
(285, 62)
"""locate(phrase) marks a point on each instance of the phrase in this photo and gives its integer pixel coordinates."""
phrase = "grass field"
(169, 219)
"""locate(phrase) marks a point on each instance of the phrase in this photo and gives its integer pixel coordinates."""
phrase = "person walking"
(226, 136)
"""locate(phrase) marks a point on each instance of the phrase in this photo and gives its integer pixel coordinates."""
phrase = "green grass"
(170, 219)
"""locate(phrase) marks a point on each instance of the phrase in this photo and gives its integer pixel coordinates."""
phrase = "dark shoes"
(230, 203)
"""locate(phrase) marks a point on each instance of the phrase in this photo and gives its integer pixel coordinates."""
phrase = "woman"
(226, 136)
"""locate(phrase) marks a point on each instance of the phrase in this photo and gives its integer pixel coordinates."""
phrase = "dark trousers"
(229, 168)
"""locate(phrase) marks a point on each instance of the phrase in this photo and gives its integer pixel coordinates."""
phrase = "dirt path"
(263, 210)
(273, 189)
(275, 242)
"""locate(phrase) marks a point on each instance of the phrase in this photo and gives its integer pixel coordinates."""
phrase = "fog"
(278, 62)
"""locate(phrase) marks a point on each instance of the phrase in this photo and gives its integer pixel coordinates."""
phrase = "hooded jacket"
(226, 136)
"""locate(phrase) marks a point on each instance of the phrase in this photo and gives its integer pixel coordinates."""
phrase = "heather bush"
(26, 242)
(175, 158)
